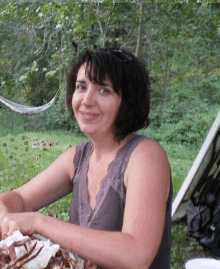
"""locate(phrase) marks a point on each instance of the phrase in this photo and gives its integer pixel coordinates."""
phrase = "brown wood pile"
(62, 259)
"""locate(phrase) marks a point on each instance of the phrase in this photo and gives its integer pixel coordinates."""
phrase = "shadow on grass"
(184, 247)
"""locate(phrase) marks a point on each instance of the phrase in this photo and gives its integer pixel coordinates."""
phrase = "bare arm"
(11, 202)
(136, 246)
(45, 188)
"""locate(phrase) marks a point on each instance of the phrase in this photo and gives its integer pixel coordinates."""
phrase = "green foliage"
(55, 118)
(39, 40)
(191, 129)
(11, 123)
(180, 46)
(37, 93)
(188, 109)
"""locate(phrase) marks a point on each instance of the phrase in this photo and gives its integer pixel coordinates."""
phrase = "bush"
(187, 111)
(190, 130)
(11, 122)
(55, 117)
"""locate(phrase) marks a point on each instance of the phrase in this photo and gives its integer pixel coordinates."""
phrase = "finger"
(12, 228)
(5, 232)
(5, 235)
(1, 219)
(5, 227)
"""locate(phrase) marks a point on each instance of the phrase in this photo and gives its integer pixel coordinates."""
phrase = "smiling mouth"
(88, 115)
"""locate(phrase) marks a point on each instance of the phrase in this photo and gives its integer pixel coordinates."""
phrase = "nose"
(88, 97)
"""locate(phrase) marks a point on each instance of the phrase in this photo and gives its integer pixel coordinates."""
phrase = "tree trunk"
(138, 47)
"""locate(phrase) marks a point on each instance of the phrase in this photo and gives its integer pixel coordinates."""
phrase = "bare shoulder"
(150, 152)
(148, 161)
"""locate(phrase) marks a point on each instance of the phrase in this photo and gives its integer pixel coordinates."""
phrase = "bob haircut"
(129, 79)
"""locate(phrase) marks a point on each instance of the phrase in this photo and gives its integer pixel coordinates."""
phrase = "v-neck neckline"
(103, 180)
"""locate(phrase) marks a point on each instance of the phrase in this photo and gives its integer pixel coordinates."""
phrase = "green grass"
(24, 155)
(184, 248)
(181, 159)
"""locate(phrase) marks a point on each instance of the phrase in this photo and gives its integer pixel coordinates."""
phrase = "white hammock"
(25, 109)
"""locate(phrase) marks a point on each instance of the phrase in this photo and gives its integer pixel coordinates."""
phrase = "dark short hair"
(129, 78)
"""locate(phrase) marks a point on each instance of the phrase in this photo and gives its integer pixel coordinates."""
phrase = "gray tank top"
(110, 201)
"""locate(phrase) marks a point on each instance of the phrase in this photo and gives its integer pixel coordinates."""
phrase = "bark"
(139, 39)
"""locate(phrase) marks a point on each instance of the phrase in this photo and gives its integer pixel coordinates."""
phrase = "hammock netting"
(25, 109)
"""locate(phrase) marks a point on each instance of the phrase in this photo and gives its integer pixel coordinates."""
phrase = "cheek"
(75, 103)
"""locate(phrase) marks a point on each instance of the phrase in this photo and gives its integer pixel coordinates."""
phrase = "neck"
(106, 146)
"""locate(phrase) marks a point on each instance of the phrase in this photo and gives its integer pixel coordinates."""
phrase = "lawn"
(24, 155)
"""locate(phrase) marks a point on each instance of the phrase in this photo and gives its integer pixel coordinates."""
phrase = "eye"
(104, 91)
(80, 87)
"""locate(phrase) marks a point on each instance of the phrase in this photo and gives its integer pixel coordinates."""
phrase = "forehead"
(86, 72)
(81, 71)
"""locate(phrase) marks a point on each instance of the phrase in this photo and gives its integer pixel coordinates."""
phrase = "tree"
(56, 33)
(139, 38)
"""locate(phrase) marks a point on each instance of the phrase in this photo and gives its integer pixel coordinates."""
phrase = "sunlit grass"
(24, 155)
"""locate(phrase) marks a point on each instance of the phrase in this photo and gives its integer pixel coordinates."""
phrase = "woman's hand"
(24, 222)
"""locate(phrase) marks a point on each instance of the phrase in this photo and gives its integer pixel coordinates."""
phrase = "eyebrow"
(81, 81)
(103, 84)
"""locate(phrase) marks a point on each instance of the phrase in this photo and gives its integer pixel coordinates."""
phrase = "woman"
(120, 212)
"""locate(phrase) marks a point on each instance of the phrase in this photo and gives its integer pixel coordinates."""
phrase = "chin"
(94, 131)
(88, 131)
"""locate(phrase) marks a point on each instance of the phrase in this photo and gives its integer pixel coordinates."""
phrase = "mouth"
(88, 115)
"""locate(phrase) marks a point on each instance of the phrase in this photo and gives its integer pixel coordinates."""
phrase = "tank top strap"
(83, 150)
(126, 151)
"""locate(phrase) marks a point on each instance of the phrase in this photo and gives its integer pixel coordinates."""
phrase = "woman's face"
(95, 106)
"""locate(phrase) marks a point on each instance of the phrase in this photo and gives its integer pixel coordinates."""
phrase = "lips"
(88, 115)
